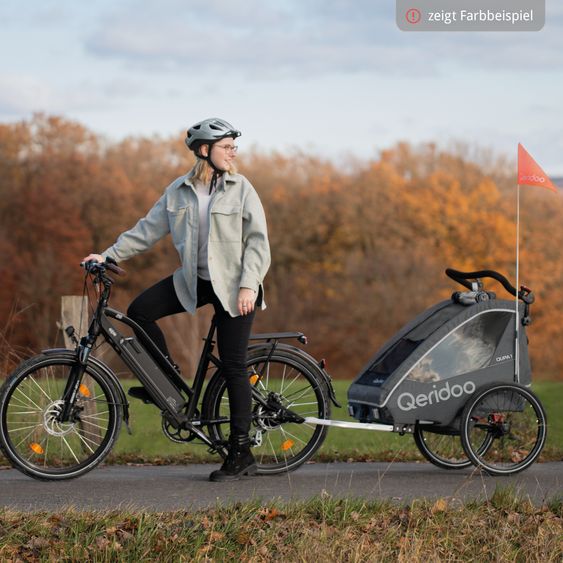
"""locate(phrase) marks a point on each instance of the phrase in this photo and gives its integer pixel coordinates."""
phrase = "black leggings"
(160, 300)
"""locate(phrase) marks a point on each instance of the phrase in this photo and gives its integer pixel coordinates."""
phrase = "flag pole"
(517, 327)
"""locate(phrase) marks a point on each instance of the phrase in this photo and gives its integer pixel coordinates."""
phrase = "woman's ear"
(204, 150)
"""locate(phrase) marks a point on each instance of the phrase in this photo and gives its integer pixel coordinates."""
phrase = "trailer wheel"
(516, 421)
(443, 447)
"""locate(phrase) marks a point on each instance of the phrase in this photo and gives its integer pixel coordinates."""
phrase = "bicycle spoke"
(71, 450)
(302, 394)
(287, 432)
(84, 431)
(19, 403)
(283, 378)
(272, 446)
(97, 415)
(29, 399)
(25, 438)
(300, 404)
(25, 428)
(291, 383)
(85, 442)
(41, 389)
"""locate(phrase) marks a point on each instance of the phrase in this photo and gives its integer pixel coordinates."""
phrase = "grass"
(503, 528)
(148, 444)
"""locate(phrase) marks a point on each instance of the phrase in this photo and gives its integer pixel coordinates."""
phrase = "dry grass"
(505, 528)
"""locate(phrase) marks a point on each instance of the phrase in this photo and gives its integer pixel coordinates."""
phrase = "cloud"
(262, 39)
(23, 94)
(253, 37)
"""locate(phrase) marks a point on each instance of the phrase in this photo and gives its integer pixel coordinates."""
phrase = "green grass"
(148, 444)
(504, 528)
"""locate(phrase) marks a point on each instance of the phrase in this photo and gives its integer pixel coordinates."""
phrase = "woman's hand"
(96, 257)
(246, 299)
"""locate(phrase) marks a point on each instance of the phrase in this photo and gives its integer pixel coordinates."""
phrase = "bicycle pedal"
(140, 393)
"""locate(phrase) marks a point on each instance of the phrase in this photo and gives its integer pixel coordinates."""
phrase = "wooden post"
(71, 307)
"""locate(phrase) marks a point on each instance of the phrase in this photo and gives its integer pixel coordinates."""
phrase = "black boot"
(239, 461)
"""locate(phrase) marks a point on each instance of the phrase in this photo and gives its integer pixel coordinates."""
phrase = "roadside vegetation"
(503, 528)
(375, 234)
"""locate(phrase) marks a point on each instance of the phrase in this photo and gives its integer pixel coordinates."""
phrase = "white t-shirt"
(203, 198)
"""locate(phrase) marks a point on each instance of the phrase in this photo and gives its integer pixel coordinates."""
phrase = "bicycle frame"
(175, 398)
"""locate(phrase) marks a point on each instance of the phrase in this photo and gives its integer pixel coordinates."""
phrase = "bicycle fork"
(75, 379)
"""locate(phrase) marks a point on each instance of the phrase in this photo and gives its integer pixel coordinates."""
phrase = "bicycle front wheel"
(286, 390)
(34, 439)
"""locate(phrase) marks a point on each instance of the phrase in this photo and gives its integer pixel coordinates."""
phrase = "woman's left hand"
(246, 299)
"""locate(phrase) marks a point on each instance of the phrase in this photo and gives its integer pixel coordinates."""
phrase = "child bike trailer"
(459, 370)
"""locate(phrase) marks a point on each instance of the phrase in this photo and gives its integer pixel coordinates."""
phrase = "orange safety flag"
(530, 172)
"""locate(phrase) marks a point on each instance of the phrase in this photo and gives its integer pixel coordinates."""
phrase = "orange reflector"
(36, 448)
(287, 444)
(84, 390)
(254, 378)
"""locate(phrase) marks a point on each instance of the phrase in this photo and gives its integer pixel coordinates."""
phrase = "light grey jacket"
(238, 248)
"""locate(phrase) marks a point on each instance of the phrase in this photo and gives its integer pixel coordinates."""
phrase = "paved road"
(183, 487)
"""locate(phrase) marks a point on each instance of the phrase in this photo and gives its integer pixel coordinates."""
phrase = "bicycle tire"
(517, 420)
(279, 454)
(95, 433)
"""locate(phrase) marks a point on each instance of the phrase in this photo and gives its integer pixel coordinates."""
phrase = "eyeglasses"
(228, 148)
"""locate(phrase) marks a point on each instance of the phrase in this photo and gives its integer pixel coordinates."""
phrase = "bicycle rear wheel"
(290, 387)
(32, 437)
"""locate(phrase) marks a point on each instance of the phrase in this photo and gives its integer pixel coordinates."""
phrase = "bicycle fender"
(310, 360)
(106, 371)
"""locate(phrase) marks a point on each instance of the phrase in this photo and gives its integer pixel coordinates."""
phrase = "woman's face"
(223, 153)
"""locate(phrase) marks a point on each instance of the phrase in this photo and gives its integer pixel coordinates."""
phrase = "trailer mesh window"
(471, 346)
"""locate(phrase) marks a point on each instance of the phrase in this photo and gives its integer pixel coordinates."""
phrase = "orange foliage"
(356, 252)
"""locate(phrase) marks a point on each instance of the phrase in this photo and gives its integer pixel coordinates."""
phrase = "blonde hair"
(203, 172)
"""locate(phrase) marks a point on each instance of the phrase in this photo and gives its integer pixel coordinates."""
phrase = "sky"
(332, 77)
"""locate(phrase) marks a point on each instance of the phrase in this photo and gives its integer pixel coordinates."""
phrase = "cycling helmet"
(208, 131)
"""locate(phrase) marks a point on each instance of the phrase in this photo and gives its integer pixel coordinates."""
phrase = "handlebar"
(525, 293)
(94, 267)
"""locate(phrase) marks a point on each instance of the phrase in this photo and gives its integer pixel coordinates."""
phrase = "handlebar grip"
(116, 269)
(111, 265)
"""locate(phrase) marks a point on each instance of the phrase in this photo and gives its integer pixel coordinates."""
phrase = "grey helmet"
(209, 131)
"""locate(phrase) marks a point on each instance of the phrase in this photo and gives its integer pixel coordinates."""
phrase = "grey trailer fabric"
(428, 370)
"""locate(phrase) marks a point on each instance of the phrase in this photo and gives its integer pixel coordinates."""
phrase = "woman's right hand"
(96, 257)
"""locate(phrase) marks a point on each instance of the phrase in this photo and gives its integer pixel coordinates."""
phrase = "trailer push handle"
(525, 294)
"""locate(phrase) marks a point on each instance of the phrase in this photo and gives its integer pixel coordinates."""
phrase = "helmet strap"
(217, 172)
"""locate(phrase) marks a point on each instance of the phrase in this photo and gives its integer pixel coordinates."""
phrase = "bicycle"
(57, 424)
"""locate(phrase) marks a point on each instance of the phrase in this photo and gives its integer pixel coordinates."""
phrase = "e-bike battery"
(159, 387)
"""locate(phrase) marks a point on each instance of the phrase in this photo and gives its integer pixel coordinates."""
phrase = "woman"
(219, 229)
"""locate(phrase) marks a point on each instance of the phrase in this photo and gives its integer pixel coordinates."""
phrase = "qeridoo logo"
(408, 401)
(532, 178)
